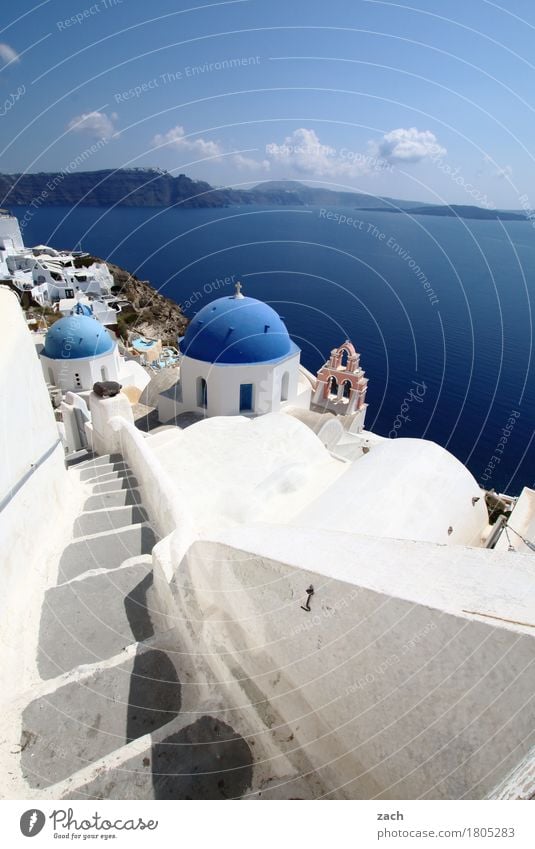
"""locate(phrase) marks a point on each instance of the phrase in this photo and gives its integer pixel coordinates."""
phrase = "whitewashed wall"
(37, 502)
(224, 387)
(10, 232)
(80, 374)
(379, 695)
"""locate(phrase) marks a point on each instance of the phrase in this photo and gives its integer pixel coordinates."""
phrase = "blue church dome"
(77, 337)
(237, 330)
(82, 309)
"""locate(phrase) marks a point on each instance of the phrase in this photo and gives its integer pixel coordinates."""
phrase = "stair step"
(130, 777)
(96, 460)
(206, 759)
(122, 474)
(80, 459)
(107, 551)
(107, 520)
(116, 498)
(82, 722)
(94, 618)
(116, 484)
(104, 469)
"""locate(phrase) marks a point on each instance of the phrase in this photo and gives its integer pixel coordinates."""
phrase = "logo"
(32, 822)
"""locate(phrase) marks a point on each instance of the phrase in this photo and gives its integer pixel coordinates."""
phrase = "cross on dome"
(238, 292)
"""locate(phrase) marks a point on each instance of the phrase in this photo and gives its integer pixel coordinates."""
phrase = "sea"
(440, 309)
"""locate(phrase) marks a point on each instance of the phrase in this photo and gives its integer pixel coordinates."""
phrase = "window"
(333, 386)
(202, 393)
(104, 373)
(246, 397)
(285, 385)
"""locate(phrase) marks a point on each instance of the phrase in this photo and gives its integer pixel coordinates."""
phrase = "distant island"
(153, 187)
(455, 211)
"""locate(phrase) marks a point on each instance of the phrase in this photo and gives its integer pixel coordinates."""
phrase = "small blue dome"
(77, 337)
(82, 309)
(237, 330)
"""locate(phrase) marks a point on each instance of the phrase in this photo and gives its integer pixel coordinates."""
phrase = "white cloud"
(407, 146)
(304, 153)
(176, 139)
(247, 163)
(96, 124)
(7, 53)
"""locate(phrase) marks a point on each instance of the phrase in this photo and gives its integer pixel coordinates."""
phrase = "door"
(246, 397)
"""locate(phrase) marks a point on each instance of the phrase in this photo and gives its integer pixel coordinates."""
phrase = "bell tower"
(341, 386)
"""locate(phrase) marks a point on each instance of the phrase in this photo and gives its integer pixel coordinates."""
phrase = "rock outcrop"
(153, 314)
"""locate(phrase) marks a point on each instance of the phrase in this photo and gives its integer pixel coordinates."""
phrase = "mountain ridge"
(153, 187)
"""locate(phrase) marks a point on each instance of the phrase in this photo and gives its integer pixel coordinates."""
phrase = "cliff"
(125, 187)
(153, 314)
(152, 187)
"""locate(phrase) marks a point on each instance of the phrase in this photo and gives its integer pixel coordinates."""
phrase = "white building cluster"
(48, 275)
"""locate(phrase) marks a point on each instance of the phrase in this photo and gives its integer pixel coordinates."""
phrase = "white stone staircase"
(118, 712)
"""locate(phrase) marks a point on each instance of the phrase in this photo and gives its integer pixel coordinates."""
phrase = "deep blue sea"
(471, 348)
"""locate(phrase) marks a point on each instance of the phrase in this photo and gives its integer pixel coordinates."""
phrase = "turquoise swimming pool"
(143, 344)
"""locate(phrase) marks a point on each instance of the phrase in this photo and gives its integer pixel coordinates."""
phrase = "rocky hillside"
(152, 187)
(148, 187)
(153, 314)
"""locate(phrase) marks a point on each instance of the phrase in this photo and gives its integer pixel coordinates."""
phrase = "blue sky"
(426, 100)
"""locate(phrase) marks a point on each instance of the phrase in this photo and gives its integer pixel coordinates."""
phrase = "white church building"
(237, 359)
(79, 351)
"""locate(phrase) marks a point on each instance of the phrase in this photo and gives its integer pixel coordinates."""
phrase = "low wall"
(32, 471)
(37, 502)
(382, 696)
(161, 497)
(159, 494)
